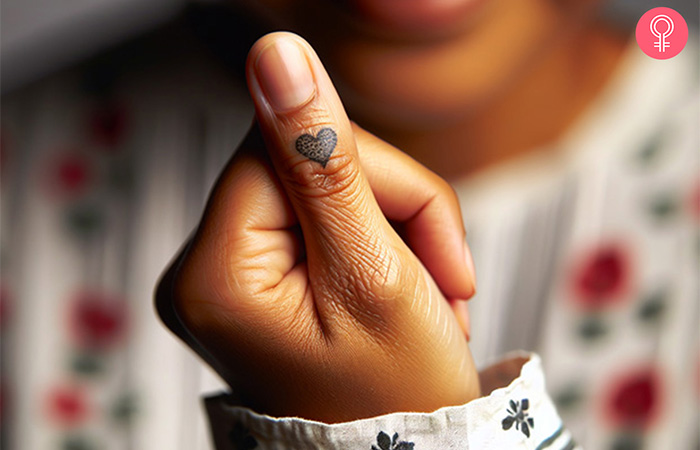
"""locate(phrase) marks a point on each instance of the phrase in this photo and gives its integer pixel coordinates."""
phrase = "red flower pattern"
(98, 321)
(634, 400)
(70, 174)
(603, 278)
(67, 406)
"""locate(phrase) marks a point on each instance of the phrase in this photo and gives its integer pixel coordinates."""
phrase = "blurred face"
(425, 62)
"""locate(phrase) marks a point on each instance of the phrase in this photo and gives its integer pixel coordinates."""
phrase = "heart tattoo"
(318, 148)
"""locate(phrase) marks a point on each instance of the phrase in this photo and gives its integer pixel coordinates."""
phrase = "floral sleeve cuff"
(516, 414)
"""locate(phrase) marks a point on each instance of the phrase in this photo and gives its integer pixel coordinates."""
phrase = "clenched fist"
(320, 280)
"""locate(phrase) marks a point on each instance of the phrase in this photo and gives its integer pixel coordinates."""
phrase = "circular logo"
(662, 33)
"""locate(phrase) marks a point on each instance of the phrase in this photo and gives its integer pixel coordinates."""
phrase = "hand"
(296, 288)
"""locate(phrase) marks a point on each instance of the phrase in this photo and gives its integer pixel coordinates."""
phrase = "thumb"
(312, 146)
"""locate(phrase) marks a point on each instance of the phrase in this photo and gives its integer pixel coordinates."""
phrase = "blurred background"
(117, 116)
(59, 33)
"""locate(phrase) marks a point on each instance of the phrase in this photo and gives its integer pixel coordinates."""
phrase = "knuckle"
(338, 179)
(213, 289)
(331, 170)
(445, 191)
(451, 193)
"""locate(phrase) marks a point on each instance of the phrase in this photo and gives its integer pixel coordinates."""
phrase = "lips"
(417, 15)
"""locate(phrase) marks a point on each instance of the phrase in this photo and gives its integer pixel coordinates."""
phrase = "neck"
(533, 111)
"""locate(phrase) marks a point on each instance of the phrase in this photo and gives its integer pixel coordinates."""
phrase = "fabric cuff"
(519, 415)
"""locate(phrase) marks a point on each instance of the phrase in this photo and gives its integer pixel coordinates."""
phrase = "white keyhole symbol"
(662, 44)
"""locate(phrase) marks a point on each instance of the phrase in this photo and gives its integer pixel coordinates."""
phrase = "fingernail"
(284, 75)
(469, 262)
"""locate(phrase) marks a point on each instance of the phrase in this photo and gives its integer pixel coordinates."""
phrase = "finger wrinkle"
(309, 180)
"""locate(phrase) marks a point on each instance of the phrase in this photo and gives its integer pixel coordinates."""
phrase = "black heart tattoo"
(318, 148)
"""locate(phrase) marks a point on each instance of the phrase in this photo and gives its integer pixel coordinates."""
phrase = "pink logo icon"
(662, 33)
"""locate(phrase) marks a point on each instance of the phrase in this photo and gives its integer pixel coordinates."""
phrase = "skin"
(327, 292)
(297, 289)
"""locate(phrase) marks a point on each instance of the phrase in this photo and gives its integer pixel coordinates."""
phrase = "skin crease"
(531, 65)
